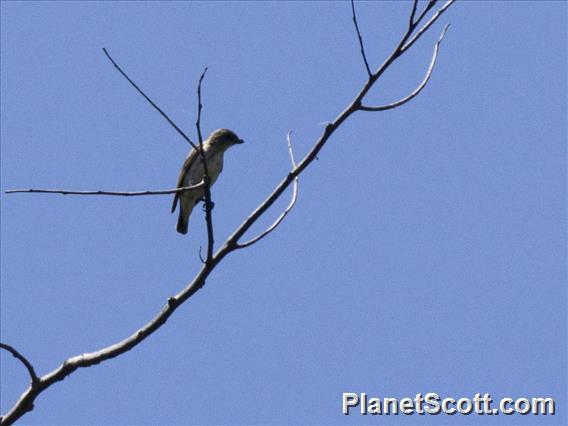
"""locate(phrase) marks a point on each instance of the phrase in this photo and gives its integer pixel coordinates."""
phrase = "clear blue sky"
(427, 251)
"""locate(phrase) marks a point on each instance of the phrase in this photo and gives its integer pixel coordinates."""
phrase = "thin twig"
(427, 9)
(419, 88)
(199, 107)
(412, 24)
(206, 178)
(412, 13)
(23, 360)
(124, 194)
(150, 101)
(422, 30)
(360, 39)
(285, 212)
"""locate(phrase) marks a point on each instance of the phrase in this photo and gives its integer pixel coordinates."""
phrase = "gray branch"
(120, 193)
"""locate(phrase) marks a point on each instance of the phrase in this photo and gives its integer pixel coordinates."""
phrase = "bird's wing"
(185, 168)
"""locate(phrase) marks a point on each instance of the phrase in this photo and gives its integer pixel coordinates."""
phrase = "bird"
(192, 172)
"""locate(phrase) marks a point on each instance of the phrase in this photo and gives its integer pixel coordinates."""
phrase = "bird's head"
(224, 139)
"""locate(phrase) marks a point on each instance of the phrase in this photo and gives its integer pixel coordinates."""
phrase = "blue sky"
(427, 251)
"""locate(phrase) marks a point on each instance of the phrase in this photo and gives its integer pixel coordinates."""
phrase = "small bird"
(192, 172)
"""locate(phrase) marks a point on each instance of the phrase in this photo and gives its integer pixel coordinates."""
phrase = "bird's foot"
(206, 205)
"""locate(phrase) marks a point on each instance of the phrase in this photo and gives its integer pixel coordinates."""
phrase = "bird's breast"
(214, 167)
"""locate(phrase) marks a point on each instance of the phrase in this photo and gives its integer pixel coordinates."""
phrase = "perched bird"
(192, 172)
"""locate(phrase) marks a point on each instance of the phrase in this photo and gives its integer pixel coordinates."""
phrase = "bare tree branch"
(206, 178)
(33, 376)
(399, 50)
(286, 211)
(422, 30)
(427, 9)
(199, 108)
(419, 88)
(412, 13)
(231, 242)
(26, 400)
(361, 39)
(124, 194)
(150, 101)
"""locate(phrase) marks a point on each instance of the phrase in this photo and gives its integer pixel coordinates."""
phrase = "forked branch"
(426, 26)
(419, 88)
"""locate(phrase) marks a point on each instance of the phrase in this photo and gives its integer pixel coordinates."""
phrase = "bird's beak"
(240, 141)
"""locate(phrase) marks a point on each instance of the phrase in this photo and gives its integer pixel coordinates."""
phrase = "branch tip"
(150, 101)
(360, 38)
(427, 25)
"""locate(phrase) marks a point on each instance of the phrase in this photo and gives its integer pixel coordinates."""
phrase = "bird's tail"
(183, 218)
(182, 224)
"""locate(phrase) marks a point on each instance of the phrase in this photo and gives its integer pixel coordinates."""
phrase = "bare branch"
(206, 179)
(199, 107)
(290, 150)
(231, 243)
(168, 119)
(428, 24)
(285, 212)
(412, 14)
(23, 360)
(124, 194)
(360, 39)
(427, 9)
(419, 88)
